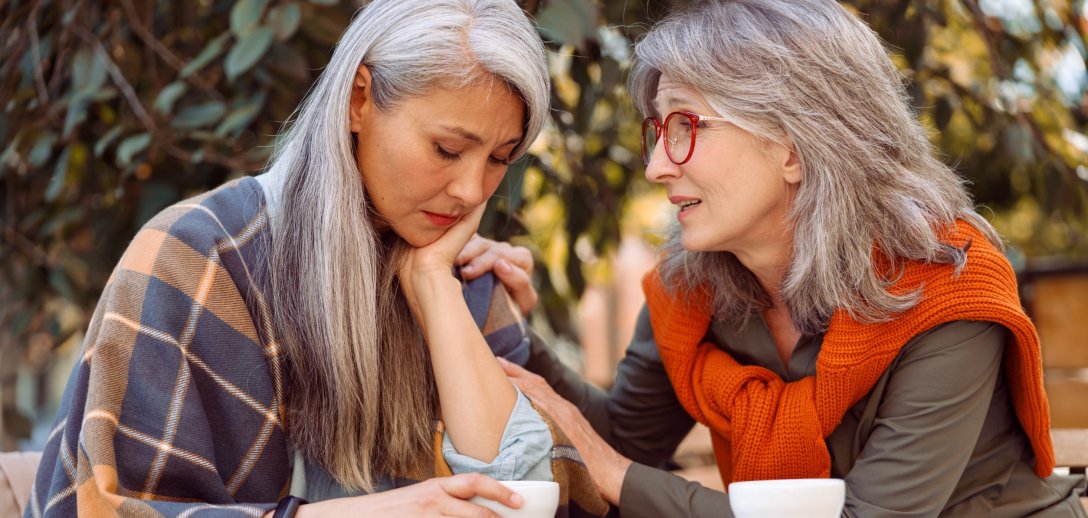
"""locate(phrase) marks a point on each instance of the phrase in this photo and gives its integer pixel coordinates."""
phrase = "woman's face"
(734, 193)
(430, 159)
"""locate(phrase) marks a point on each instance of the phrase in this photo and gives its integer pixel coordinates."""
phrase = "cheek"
(492, 182)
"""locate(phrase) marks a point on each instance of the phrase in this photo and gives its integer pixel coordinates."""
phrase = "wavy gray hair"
(809, 72)
(360, 394)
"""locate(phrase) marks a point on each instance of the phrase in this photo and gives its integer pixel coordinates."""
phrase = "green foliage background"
(110, 111)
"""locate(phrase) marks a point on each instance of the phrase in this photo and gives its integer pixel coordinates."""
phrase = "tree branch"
(169, 57)
(35, 49)
(25, 245)
(162, 138)
(979, 19)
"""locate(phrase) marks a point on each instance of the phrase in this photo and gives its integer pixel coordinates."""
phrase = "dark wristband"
(288, 507)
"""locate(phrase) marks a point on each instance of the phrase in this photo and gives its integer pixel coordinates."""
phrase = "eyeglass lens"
(649, 139)
(678, 132)
(678, 135)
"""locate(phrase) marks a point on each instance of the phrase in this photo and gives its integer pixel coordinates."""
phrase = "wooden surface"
(1070, 447)
(1059, 307)
(1068, 397)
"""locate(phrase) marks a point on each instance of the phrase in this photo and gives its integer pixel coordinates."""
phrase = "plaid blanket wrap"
(175, 408)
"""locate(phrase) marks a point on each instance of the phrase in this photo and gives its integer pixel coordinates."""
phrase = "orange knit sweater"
(764, 428)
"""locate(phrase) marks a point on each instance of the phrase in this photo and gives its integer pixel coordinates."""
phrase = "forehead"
(490, 109)
(672, 94)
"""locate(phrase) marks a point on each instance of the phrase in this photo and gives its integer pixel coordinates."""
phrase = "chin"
(693, 243)
(418, 238)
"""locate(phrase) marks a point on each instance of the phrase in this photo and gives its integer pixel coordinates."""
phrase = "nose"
(661, 169)
(468, 185)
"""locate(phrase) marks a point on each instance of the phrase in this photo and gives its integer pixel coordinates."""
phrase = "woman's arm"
(639, 491)
(475, 396)
(928, 422)
(640, 417)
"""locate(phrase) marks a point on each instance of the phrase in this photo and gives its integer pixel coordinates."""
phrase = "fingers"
(476, 245)
(468, 485)
(481, 255)
(463, 230)
(455, 508)
(519, 284)
(511, 369)
(532, 385)
(446, 248)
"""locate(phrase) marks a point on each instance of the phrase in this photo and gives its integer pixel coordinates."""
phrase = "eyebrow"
(462, 132)
(672, 100)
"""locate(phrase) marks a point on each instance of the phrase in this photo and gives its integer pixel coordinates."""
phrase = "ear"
(362, 99)
(789, 161)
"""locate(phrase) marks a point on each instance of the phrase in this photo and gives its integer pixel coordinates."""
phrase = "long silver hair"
(811, 73)
(360, 394)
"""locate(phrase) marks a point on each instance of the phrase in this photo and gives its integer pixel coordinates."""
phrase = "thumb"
(462, 231)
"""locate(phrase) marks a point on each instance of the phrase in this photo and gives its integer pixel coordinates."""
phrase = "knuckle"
(484, 513)
(424, 501)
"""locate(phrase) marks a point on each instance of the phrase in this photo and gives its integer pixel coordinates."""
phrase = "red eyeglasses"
(679, 131)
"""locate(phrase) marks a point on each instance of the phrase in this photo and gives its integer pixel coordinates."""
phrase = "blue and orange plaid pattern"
(175, 408)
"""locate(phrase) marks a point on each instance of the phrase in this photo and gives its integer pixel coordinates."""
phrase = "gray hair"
(811, 73)
(360, 394)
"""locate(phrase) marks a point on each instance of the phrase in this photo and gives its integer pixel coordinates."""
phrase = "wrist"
(288, 507)
(612, 488)
(433, 286)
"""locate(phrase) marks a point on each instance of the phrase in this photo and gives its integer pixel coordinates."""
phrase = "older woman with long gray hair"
(828, 302)
(296, 337)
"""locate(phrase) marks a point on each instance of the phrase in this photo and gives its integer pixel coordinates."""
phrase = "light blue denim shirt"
(525, 453)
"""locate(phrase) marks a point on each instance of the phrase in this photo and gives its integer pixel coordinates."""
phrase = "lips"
(441, 220)
(686, 204)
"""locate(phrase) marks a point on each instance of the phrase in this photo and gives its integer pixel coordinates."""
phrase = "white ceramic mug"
(541, 499)
(793, 498)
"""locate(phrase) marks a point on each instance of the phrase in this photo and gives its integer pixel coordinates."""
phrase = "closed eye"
(499, 161)
(445, 154)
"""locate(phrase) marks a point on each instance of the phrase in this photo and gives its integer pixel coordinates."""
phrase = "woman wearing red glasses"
(828, 302)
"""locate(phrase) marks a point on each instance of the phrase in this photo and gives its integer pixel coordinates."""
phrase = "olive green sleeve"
(640, 417)
(653, 493)
(928, 421)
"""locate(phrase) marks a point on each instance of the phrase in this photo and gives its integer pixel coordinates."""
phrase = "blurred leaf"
(60, 176)
(245, 15)
(164, 103)
(60, 221)
(131, 146)
(241, 116)
(77, 113)
(247, 51)
(107, 139)
(285, 19)
(568, 22)
(88, 73)
(58, 279)
(42, 150)
(210, 52)
(200, 115)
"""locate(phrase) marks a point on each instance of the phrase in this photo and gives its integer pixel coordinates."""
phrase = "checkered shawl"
(176, 406)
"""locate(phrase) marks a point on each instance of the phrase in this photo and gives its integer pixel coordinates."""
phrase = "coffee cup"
(791, 498)
(541, 499)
